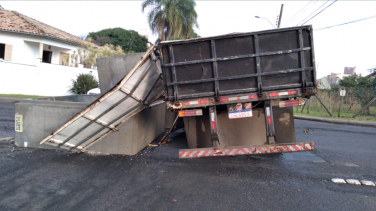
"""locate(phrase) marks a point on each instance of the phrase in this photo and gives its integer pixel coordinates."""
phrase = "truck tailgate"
(239, 63)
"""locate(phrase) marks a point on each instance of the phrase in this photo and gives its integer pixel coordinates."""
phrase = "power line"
(363, 19)
(319, 12)
(312, 13)
(301, 11)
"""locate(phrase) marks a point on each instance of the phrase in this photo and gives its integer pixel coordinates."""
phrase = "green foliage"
(171, 17)
(87, 55)
(362, 88)
(119, 37)
(83, 84)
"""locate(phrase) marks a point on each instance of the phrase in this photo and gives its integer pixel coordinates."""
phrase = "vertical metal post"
(258, 65)
(340, 106)
(213, 126)
(302, 62)
(280, 17)
(215, 70)
(173, 72)
(269, 122)
(309, 105)
(327, 110)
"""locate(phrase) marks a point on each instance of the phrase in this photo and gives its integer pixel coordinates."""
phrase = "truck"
(236, 92)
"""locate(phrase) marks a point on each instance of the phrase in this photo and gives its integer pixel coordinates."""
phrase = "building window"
(2, 51)
(47, 55)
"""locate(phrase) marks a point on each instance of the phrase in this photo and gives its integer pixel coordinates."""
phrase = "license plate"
(239, 114)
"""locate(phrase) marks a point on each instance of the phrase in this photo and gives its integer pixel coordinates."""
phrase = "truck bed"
(237, 65)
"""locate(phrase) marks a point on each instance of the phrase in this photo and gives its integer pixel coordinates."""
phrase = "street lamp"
(266, 19)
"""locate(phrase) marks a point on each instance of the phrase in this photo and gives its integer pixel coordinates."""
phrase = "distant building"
(327, 81)
(349, 71)
(147, 37)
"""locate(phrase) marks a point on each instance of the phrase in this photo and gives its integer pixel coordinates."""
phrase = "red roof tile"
(15, 22)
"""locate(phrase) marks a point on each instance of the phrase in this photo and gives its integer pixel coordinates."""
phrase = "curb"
(12, 99)
(337, 121)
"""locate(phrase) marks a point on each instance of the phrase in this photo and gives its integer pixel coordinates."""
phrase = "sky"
(335, 48)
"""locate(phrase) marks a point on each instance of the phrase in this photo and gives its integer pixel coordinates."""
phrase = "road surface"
(155, 179)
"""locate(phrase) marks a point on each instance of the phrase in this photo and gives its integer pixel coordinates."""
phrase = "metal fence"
(357, 102)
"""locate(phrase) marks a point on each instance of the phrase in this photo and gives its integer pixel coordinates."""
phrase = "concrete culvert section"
(132, 106)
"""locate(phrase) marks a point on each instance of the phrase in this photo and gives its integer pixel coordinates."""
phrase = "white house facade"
(33, 53)
(31, 49)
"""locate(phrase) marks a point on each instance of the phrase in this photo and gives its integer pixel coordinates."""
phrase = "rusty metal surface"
(139, 89)
(284, 124)
(265, 96)
(239, 63)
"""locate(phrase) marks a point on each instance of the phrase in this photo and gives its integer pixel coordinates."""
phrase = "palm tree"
(171, 17)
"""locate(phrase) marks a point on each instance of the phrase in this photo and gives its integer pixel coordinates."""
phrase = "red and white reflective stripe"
(224, 99)
(289, 103)
(211, 152)
(196, 102)
(275, 94)
(238, 107)
(268, 117)
(212, 120)
(248, 106)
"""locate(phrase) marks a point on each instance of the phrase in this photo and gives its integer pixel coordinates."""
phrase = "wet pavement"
(155, 179)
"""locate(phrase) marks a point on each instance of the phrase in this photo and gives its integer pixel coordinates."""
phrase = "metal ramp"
(139, 89)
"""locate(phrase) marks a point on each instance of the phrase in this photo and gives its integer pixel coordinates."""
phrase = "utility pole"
(130, 42)
(280, 17)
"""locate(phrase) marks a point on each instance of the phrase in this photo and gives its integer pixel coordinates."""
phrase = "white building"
(33, 53)
(24, 40)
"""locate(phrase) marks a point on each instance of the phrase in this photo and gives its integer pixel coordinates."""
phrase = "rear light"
(276, 94)
(196, 102)
(196, 112)
(290, 103)
(247, 97)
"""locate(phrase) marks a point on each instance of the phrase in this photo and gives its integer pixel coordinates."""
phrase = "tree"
(119, 37)
(87, 55)
(83, 84)
(363, 88)
(171, 17)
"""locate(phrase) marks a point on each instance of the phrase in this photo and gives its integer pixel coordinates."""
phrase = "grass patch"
(20, 96)
(346, 113)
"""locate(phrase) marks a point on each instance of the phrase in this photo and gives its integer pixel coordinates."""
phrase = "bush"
(83, 84)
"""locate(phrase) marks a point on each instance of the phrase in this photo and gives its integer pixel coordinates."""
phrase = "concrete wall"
(71, 98)
(42, 80)
(41, 118)
(112, 69)
(133, 135)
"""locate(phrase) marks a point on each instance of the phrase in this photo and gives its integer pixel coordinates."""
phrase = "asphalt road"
(155, 179)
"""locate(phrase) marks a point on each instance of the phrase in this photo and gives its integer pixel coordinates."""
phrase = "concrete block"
(40, 118)
(133, 135)
(112, 69)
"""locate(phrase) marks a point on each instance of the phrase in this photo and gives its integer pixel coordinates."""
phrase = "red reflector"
(213, 125)
(273, 94)
(292, 92)
(203, 101)
(223, 99)
(186, 103)
(269, 119)
(252, 97)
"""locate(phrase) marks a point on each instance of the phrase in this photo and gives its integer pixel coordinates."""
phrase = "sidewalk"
(337, 121)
